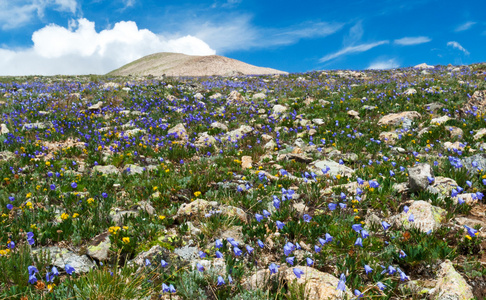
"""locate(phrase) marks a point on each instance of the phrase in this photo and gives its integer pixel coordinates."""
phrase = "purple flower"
(200, 267)
(402, 254)
(411, 218)
(9, 206)
(258, 217)
(322, 241)
(280, 225)
(218, 254)
(237, 251)
(266, 213)
(163, 263)
(380, 285)
(469, 183)
(249, 249)
(69, 269)
(202, 254)
(288, 248)
(32, 279)
(391, 270)
(359, 242)
(74, 185)
(165, 288)
(328, 238)
(430, 179)
(230, 279)
(260, 244)
(357, 227)
(317, 248)
(290, 260)
(32, 270)
(358, 294)
(53, 187)
(276, 203)
(104, 195)
(392, 173)
(298, 272)
(405, 209)
(273, 268)
(374, 184)
(460, 201)
(172, 288)
(364, 234)
(11, 245)
(307, 218)
(403, 276)
(232, 242)
(147, 262)
(332, 206)
(385, 225)
(360, 181)
(471, 231)
(309, 261)
(342, 283)
(218, 244)
(368, 269)
(221, 280)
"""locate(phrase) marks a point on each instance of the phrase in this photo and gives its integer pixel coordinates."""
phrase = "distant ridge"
(177, 64)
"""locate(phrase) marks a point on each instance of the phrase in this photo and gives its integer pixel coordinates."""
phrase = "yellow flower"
(114, 229)
(90, 200)
(33, 226)
(468, 237)
(64, 216)
(155, 188)
(50, 287)
(48, 163)
(197, 194)
(126, 240)
(125, 227)
(161, 217)
(167, 171)
(28, 195)
(75, 215)
(28, 204)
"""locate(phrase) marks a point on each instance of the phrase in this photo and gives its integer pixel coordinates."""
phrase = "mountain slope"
(177, 64)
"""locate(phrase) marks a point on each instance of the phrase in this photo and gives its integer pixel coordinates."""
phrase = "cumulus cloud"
(16, 13)
(409, 41)
(384, 64)
(465, 26)
(457, 46)
(352, 49)
(79, 49)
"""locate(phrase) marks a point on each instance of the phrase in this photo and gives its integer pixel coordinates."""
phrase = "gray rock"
(479, 159)
(61, 256)
(427, 217)
(133, 169)
(96, 106)
(6, 155)
(187, 252)
(318, 121)
(417, 177)
(106, 170)
(450, 285)
(219, 125)
(37, 125)
(259, 96)
(179, 131)
(279, 109)
(99, 247)
(3, 129)
(334, 168)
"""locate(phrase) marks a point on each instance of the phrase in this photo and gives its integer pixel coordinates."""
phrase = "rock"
(334, 168)
(232, 211)
(470, 222)
(146, 206)
(440, 120)
(259, 279)
(318, 121)
(235, 98)
(372, 220)
(3, 129)
(299, 143)
(480, 134)
(198, 96)
(133, 169)
(442, 186)
(476, 104)
(179, 131)
(479, 159)
(454, 131)
(238, 133)
(6, 155)
(467, 197)
(270, 145)
(410, 91)
(118, 215)
(259, 96)
(215, 96)
(187, 253)
(196, 208)
(106, 170)
(205, 139)
(418, 177)
(99, 247)
(433, 107)
(453, 146)
(217, 265)
(96, 106)
(246, 162)
(349, 187)
(398, 118)
(152, 255)
(294, 156)
(318, 285)
(400, 187)
(427, 217)
(369, 107)
(235, 232)
(324, 102)
(450, 284)
(219, 125)
(389, 137)
(353, 113)
(266, 137)
(423, 66)
(61, 256)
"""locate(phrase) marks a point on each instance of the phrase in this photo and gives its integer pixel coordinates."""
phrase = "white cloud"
(408, 41)
(352, 49)
(464, 26)
(237, 33)
(129, 3)
(457, 46)
(79, 49)
(384, 64)
(16, 13)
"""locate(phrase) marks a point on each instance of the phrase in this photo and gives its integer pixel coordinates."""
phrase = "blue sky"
(49, 37)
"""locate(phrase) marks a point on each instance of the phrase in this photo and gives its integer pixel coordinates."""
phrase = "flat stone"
(480, 134)
(106, 170)
(454, 131)
(6, 155)
(219, 125)
(4, 129)
(440, 120)
(450, 284)
(133, 169)
(389, 137)
(410, 91)
(442, 186)
(61, 256)
(96, 106)
(278, 109)
(398, 118)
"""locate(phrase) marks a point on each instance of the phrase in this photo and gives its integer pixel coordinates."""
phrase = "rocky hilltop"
(177, 64)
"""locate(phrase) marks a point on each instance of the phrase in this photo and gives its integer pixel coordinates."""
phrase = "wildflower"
(332, 206)
(172, 288)
(197, 194)
(322, 241)
(90, 200)
(232, 242)
(276, 203)
(317, 248)
(342, 205)
(328, 238)
(165, 288)
(460, 201)
(290, 260)
(357, 227)
(309, 261)
(74, 185)
(218, 254)
(342, 283)
(147, 262)
(202, 254)
(385, 225)
(32, 270)
(364, 234)
(359, 242)
(298, 272)
(52, 186)
(405, 209)
(75, 215)
(104, 195)
(403, 276)
(391, 270)
(32, 279)
(374, 184)
(471, 231)
(230, 279)
(411, 218)
(260, 244)
(163, 263)
(10, 245)
(249, 249)
(266, 213)
(402, 254)
(380, 285)
(358, 294)
(126, 240)
(273, 268)
(258, 217)
(288, 248)
(280, 225)
(200, 267)
(237, 251)
(161, 217)
(9, 206)
(368, 269)
(469, 183)
(221, 280)
(69, 269)
(307, 218)
(392, 173)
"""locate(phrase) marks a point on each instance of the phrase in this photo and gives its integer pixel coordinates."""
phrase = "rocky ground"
(336, 184)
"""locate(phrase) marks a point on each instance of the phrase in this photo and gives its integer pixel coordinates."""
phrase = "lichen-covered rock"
(99, 247)
(334, 168)
(426, 216)
(106, 170)
(61, 256)
(442, 186)
(450, 285)
(398, 118)
(179, 132)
